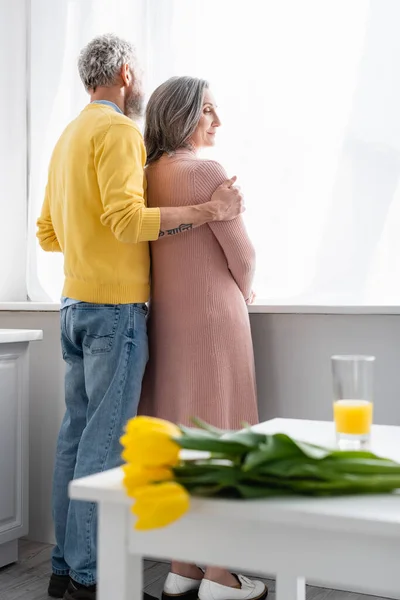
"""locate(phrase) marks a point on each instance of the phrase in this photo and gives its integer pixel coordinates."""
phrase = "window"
(308, 94)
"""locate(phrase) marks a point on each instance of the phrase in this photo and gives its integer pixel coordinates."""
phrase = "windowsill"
(260, 307)
(322, 309)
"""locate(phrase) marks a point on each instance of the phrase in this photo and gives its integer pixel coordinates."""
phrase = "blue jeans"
(105, 350)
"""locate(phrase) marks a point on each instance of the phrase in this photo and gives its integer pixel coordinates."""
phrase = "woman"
(201, 355)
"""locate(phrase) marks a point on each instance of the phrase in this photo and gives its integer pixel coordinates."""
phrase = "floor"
(27, 580)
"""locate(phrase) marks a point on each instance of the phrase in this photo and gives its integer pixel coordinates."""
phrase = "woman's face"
(204, 134)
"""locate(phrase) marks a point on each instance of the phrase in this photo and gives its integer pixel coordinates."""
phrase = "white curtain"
(13, 150)
(308, 94)
(58, 31)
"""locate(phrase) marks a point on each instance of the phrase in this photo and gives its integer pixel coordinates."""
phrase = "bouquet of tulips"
(243, 465)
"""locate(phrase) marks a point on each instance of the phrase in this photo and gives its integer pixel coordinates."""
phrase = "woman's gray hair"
(101, 60)
(172, 115)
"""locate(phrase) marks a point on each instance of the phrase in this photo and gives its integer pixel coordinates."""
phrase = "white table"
(350, 543)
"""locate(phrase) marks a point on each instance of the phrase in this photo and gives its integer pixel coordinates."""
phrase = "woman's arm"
(231, 235)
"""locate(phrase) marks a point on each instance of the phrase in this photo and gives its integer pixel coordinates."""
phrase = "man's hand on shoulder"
(227, 201)
(226, 204)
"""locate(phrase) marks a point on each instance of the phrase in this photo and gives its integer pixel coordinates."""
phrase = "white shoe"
(249, 590)
(176, 585)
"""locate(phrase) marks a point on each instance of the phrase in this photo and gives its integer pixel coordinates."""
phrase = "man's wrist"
(206, 213)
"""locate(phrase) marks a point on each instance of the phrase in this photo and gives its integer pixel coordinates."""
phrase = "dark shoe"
(77, 591)
(58, 585)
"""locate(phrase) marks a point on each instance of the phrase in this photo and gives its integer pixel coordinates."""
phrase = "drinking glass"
(353, 382)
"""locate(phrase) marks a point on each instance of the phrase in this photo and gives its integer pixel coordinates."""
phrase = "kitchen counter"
(14, 427)
(9, 336)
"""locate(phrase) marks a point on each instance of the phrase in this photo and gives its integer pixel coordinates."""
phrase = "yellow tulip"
(160, 505)
(146, 423)
(135, 477)
(148, 442)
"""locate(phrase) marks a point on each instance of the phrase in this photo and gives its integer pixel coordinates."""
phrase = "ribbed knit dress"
(201, 354)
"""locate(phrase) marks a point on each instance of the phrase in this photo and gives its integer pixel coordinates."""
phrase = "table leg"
(290, 587)
(119, 574)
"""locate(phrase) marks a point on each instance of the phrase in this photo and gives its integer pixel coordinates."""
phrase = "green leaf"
(209, 491)
(349, 484)
(312, 451)
(246, 464)
(197, 439)
(251, 491)
(246, 437)
(367, 466)
(296, 467)
(215, 474)
(281, 446)
(191, 432)
(202, 425)
(237, 441)
(214, 446)
(192, 467)
(204, 478)
(273, 448)
(353, 454)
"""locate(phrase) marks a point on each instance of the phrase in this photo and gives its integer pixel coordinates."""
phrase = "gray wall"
(292, 360)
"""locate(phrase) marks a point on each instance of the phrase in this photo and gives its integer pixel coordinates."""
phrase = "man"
(94, 212)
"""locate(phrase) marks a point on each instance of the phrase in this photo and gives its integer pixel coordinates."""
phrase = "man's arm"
(45, 233)
(226, 204)
(120, 169)
(119, 163)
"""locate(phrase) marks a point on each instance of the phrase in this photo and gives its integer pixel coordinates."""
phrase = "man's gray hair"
(101, 60)
(172, 114)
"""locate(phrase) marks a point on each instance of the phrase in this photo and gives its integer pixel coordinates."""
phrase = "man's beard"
(134, 104)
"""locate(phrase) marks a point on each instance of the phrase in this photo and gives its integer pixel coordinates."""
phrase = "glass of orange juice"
(353, 379)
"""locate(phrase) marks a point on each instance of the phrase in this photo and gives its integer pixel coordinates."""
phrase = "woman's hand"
(251, 298)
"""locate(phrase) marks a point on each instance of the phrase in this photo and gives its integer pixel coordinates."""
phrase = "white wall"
(292, 359)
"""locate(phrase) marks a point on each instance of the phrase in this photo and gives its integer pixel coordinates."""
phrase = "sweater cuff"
(151, 222)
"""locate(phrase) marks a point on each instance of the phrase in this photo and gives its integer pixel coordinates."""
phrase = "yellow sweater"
(94, 209)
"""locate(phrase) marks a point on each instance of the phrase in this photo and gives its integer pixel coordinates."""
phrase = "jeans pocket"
(141, 308)
(98, 324)
(63, 316)
(140, 323)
